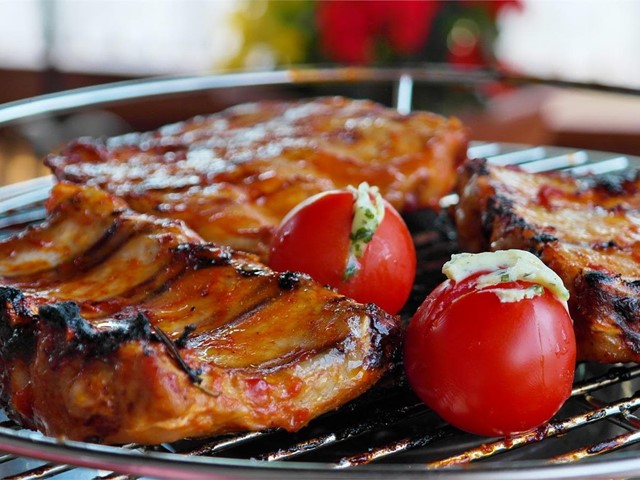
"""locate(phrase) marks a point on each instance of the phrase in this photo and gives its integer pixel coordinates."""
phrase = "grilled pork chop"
(233, 175)
(587, 230)
(120, 327)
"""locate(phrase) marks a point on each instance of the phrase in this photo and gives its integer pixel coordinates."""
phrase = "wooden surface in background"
(18, 161)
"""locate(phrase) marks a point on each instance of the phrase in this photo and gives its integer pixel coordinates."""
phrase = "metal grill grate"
(387, 431)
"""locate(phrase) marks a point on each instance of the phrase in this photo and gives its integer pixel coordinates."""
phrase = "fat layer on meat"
(587, 230)
(233, 175)
(120, 327)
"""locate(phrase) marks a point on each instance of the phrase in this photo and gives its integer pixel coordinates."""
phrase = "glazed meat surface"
(233, 175)
(120, 327)
(587, 230)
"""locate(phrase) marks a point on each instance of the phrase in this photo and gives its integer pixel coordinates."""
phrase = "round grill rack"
(386, 433)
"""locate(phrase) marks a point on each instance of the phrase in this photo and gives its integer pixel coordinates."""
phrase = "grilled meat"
(233, 175)
(120, 327)
(587, 230)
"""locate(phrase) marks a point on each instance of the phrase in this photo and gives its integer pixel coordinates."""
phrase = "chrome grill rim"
(15, 200)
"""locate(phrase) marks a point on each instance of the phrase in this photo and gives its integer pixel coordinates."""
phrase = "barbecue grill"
(388, 432)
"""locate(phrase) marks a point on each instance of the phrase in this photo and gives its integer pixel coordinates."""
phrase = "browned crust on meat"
(239, 171)
(185, 339)
(587, 230)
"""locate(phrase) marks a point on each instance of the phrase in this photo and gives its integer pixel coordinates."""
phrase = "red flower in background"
(344, 32)
(352, 31)
(277, 32)
(407, 23)
(349, 30)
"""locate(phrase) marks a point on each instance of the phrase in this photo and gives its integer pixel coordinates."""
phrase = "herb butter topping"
(368, 213)
(506, 266)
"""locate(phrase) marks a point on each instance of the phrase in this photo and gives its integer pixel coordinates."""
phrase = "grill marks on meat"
(233, 175)
(121, 327)
(587, 230)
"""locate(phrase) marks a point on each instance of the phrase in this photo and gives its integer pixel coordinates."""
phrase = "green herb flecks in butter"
(507, 266)
(368, 213)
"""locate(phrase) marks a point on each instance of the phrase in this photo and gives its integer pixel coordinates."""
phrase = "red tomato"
(491, 367)
(315, 238)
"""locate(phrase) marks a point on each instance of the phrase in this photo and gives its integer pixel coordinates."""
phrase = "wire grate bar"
(606, 446)
(612, 377)
(597, 168)
(45, 471)
(554, 163)
(34, 185)
(116, 476)
(625, 420)
(7, 458)
(21, 218)
(24, 199)
(226, 442)
(482, 150)
(396, 447)
(404, 94)
(519, 156)
(536, 435)
(377, 421)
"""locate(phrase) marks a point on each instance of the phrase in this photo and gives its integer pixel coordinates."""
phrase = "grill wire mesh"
(389, 425)
(386, 433)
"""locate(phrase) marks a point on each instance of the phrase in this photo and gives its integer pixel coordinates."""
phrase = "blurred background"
(53, 45)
